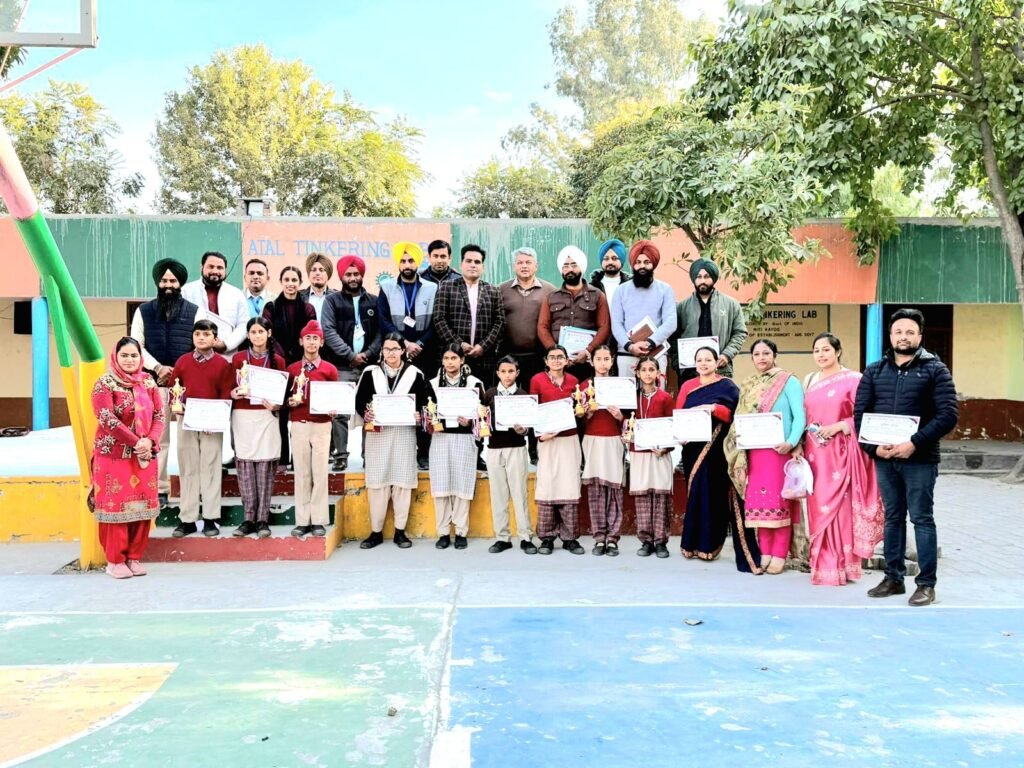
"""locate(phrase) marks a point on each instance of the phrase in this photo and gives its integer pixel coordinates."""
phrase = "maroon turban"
(351, 261)
(647, 248)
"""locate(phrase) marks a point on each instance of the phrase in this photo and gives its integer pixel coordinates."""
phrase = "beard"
(439, 269)
(353, 288)
(408, 274)
(212, 281)
(611, 269)
(908, 348)
(643, 278)
(704, 289)
(572, 278)
(167, 301)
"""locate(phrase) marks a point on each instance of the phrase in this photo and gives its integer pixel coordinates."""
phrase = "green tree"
(893, 81)
(736, 187)
(63, 137)
(248, 125)
(514, 192)
(624, 51)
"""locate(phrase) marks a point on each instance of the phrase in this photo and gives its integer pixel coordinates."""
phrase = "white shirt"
(611, 284)
(317, 300)
(233, 315)
(473, 291)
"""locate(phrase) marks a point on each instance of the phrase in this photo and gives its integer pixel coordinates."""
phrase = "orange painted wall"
(18, 276)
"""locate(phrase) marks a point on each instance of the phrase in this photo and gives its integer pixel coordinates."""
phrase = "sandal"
(689, 554)
(776, 566)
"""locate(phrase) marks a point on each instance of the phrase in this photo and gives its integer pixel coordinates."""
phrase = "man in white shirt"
(319, 270)
(256, 294)
(224, 303)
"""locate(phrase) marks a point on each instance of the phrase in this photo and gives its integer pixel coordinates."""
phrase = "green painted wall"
(113, 257)
(936, 264)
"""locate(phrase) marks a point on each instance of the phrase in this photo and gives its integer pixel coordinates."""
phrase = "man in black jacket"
(908, 381)
(352, 339)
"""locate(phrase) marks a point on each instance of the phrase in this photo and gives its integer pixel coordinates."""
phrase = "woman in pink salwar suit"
(845, 515)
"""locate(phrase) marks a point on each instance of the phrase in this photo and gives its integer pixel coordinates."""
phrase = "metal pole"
(40, 364)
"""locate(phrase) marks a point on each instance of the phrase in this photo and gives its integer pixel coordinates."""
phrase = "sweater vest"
(167, 340)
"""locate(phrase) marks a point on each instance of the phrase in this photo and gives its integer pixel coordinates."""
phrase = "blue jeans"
(908, 487)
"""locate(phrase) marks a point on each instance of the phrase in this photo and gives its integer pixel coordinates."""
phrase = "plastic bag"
(799, 482)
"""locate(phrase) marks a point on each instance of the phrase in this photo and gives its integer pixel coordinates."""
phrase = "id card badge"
(358, 333)
(409, 322)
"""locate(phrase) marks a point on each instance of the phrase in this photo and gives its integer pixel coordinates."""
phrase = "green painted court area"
(222, 689)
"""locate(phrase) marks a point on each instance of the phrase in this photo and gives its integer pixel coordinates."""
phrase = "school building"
(959, 275)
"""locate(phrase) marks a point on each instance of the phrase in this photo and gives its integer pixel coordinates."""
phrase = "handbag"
(799, 482)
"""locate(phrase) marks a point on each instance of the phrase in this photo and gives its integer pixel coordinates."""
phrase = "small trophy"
(433, 417)
(368, 424)
(177, 393)
(578, 397)
(628, 427)
(483, 421)
(592, 404)
(300, 387)
(242, 378)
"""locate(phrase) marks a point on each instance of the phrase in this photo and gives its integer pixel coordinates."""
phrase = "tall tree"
(624, 51)
(736, 187)
(889, 77)
(513, 192)
(249, 125)
(64, 138)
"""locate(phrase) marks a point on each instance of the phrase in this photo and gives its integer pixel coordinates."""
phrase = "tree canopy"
(249, 125)
(515, 192)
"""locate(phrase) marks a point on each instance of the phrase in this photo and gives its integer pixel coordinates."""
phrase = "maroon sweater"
(602, 423)
(661, 405)
(211, 379)
(276, 362)
(323, 372)
(547, 392)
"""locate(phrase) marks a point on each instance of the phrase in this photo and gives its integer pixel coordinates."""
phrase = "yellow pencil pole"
(91, 553)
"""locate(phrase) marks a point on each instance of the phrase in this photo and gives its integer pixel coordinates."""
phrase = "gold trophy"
(436, 424)
(592, 404)
(242, 379)
(300, 388)
(628, 427)
(483, 421)
(578, 397)
(368, 425)
(177, 393)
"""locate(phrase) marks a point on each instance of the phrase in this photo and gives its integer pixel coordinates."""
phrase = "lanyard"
(645, 397)
(410, 302)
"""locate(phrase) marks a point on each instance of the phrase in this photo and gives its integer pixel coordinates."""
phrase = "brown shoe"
(922, 596)
(888, 588)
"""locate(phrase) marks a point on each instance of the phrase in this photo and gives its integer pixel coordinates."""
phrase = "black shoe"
(646, 549)
(528, 547)
(230, 464)
(373, 540)
(922, 596)
(460, 542)
(547, 546)
(887, 588)
(162, 500)
(319, 531)
(481, 465)
(574, 546)
(680, 468)
(340, 465)
(401, 540)
(245, 529)
(598, 548)
(443, 543)
(660, 550)
(500, 546)
(422, 464)
(183, 530)
(611, 549)
(210, 528)
(263, 530)
(302, 530)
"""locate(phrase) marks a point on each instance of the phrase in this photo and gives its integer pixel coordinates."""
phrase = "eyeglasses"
(392, 350)
(557, 357)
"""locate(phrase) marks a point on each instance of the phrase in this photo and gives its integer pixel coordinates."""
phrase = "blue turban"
(707, 266)
(612, 245)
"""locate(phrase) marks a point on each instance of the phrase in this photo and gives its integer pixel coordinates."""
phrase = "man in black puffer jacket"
(908, 381)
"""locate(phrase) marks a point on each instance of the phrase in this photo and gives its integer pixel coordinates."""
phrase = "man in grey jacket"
(709, 312)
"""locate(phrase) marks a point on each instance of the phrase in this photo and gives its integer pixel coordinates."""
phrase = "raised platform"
(163, 548)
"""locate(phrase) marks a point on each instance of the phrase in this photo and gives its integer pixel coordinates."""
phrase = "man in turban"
(709, 315)
(405, 306)
(319, 270)
(352, 336)
(643, 311)
(163, 328)
(575, 305)
(609, 276)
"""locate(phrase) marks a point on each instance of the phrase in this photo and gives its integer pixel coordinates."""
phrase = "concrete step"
(163, 548)
(282, 512)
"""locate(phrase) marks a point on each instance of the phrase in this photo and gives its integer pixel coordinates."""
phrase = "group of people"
(432, 327)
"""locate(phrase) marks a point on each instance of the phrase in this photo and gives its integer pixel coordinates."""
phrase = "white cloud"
(498, 97)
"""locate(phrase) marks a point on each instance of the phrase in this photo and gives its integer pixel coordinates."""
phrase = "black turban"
(707, 266)
(176, 267)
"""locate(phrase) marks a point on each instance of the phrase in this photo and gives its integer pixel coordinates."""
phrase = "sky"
(462, 71)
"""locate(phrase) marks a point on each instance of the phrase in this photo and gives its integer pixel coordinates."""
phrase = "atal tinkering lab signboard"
(791, 326)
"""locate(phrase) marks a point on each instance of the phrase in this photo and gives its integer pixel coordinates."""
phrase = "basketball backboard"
(48, 23)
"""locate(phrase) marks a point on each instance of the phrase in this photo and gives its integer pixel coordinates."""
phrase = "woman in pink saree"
(845, 514)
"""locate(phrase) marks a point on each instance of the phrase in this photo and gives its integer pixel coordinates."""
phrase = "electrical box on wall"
(23, 318)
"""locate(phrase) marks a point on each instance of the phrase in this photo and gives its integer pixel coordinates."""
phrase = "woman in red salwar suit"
(130, 415)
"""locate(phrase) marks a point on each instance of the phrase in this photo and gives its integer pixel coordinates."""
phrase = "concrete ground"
(425, 658)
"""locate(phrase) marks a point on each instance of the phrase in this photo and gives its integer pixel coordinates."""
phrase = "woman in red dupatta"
(130, 416)
(845, 515)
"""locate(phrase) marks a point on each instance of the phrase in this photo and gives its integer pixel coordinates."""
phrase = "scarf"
(757, 395)
(143, 420)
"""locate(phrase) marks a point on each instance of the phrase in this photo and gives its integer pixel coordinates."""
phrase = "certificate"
(619, 391)
(332, 396)
(758, 430)
(453, 402)
(575, 339)
(556, 416)
(266, 384)
(514, 411)
(687, 348)
(691, 425)
(207, 415)
(654, 433)
(394, 410)
(224, 328)
(887, 428)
